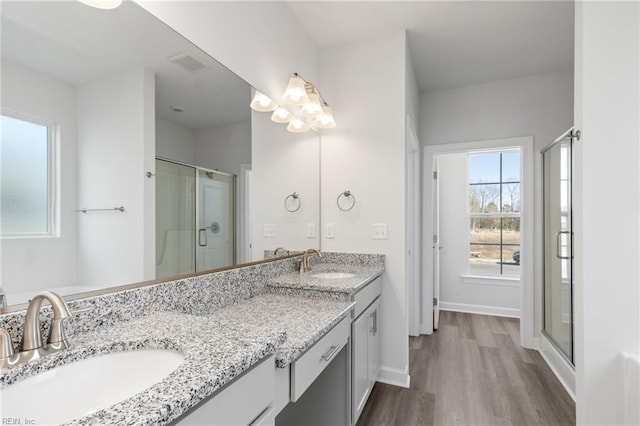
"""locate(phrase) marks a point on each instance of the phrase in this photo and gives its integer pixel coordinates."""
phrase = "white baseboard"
(394, 377)
(564, 371)
(480, 309)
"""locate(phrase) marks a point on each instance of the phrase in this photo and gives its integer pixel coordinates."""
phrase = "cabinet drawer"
(309, 366)
(368, 294)
(239, 403)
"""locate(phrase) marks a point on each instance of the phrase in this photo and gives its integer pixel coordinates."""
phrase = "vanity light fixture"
(102, 4)
(312, 108)
(297, 126)
(281, 115)
(304, 107)
(325, 120)
(296, 91)
(262, 103)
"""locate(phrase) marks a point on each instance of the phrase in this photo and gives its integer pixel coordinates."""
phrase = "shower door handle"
(559, 245)
(200, 231)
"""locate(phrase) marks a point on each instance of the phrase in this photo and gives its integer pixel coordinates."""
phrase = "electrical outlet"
(328, 232)
(379, 231)
(311, 230)
(269, 230)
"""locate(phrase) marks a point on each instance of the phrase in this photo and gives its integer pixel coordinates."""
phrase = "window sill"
(491, 280)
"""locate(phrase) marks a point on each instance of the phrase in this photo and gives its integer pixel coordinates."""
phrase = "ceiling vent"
(187, 61)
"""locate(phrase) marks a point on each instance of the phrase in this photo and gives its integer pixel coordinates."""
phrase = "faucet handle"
(6, 345)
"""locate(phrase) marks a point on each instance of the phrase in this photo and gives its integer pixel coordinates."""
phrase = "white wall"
(44, 262)
(224, 147)
(175, 142)
(540, 106)
(262, 42)
(454, 257)
(606, 207)
(283, 163)
(365, 84)
(115, 149)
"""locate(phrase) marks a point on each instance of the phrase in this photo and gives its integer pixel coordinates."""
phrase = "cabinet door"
(373, 342)
(360, 363)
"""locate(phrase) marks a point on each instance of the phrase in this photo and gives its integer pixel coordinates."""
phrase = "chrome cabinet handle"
(200, 237)
(559, 245)
(330, 353)
(374, 327)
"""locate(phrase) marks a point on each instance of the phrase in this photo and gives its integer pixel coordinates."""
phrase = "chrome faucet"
(305, 266)
(32, 346)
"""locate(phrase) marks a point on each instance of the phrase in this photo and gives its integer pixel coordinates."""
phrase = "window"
(26, 183)
(494, 213)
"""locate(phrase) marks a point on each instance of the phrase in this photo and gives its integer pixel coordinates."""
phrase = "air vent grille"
(187, 61)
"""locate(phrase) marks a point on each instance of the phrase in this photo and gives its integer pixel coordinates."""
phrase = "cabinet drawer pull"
(330, 353)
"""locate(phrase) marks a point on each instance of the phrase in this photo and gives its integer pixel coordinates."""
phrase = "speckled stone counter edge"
(198, 295)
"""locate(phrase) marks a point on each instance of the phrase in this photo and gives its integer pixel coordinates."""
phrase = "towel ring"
(296, 206)
(346, 194)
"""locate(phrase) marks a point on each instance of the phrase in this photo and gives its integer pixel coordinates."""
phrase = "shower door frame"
(572, 137)
(234, 207)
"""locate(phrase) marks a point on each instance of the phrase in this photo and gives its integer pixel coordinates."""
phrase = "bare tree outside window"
(494, 213)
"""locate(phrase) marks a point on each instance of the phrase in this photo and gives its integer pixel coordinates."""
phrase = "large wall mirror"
(128, 155)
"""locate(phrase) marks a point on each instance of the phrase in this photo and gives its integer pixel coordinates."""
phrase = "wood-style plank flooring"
(472, 371)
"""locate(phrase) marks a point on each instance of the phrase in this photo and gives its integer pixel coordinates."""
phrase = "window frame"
(480, 277)
(53, 171)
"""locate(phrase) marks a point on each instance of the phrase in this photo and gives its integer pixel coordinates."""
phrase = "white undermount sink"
(80, 388)
(333, 275)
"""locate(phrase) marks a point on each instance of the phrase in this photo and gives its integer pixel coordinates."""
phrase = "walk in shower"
(195, 219)
(558, 244)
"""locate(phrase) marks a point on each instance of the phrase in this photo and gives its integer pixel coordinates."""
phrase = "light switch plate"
(379, 231)
(269, 230)
(311, 230)
(328, 232)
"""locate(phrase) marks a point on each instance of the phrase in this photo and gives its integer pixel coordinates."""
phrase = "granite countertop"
(304, 320)
(217, 347)
(302, 284)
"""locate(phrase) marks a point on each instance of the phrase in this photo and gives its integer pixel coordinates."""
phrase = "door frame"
(527, 285)
(413, 224)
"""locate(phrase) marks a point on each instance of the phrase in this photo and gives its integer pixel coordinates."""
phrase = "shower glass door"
(175, 219)
(216, 236)
(558, 247)
(195, 219)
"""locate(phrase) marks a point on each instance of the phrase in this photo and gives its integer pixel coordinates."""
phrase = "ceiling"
(78, 44)
(454, 43)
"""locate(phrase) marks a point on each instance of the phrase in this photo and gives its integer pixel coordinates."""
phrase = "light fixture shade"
(313, 108)
(281, 115)
(296, 93)
(297, 126)
(102, 4)
(262, 103)
(325, 120)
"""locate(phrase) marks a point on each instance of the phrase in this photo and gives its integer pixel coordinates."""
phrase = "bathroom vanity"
(258, 348)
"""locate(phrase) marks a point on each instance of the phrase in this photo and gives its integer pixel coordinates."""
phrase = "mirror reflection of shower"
(195, 219)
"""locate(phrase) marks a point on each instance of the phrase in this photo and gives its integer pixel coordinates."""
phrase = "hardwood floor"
(472, 371)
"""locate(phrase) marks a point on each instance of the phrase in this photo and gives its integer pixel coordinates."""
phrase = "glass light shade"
(262, 103)
(325, 120)
(102, 4)
(281, 115)
(295, 93)
(297, 126)
(313, 108)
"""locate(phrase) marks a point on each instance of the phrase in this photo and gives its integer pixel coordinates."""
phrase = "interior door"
(436, 244)
(215, 236)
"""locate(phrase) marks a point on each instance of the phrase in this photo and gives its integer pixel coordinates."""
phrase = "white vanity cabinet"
(365, 346)
(243, 402)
